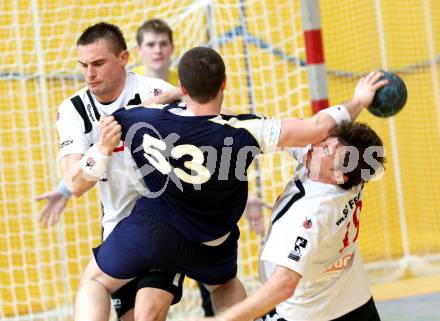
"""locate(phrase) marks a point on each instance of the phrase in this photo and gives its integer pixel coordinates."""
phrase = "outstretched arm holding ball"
(390, 99)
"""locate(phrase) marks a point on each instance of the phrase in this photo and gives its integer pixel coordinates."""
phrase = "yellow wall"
(352, 44)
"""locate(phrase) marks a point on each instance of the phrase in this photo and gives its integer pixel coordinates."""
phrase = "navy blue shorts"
(142, 241)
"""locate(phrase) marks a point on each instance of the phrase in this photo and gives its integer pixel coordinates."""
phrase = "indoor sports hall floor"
(409, 300)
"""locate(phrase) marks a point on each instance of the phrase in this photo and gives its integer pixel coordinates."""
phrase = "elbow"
(287, 287)
(75, 189)
(325, 125)
(286, 291)
(324, 131)
(77, 192)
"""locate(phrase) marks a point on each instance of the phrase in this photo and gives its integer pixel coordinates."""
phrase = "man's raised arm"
(301, 132)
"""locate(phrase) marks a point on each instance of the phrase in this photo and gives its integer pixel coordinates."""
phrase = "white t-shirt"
(118, 190)
(314, 233)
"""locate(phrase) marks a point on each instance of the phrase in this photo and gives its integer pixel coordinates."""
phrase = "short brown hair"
(362, 138)
(106, 31)
(201, 73)
(154, 26)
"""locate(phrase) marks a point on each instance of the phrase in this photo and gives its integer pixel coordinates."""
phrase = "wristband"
(339, 113)
(62, 188)
(93, 163)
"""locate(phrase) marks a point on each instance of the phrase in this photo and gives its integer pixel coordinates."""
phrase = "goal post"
(314, 47)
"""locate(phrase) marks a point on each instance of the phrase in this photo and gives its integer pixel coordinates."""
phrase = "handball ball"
(391, 98)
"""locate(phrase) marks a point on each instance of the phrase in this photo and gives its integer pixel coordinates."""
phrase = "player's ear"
(124, 56)
(339, 177)
(182, 89)
(223, 86)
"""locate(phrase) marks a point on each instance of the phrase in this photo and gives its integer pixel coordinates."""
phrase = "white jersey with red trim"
(314, 232)
(78, 129)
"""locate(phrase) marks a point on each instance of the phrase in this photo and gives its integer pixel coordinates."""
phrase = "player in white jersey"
(78, 128)
(103, 55)
(310, 264)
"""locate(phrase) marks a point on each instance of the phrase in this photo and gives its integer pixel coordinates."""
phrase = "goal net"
(400, 220)
(262, 44)
(39, 268)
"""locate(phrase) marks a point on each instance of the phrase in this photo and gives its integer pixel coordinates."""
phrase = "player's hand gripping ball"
(391, 98)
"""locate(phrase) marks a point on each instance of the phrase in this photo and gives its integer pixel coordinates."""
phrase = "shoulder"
(68, 104)
(136, 113)
(325, 200)
(148, 82)
(308, 197)
(244, 121)
(264, 132)
(240, 117)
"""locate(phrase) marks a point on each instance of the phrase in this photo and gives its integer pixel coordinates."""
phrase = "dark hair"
(106, 31)
(154, 26)
(201, 73)
(361, 137)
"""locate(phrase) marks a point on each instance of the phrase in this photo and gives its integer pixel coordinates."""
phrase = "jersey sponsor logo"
(340, 264)
(296, 253)
(354, 229)
(157, 91)
(89, 112)
(349, 206)
(66, 143)
(307, 224)
(117, 303)
(90, 162)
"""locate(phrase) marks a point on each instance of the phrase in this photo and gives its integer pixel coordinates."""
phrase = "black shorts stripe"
(124, 299)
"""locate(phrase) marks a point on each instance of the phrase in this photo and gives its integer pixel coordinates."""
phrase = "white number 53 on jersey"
(199, 173)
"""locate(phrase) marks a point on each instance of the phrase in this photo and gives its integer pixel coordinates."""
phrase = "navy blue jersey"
(195, 166)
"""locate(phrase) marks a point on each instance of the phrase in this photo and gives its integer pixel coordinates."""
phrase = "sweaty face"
(103, 69)
(156, 50)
